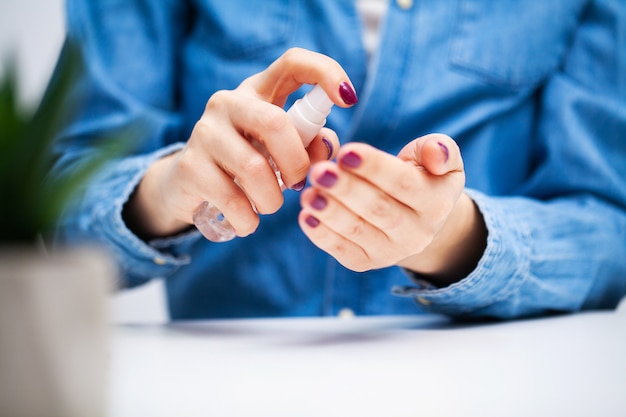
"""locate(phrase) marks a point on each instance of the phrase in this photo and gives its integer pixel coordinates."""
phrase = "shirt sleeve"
(117, 96)
(559, 246)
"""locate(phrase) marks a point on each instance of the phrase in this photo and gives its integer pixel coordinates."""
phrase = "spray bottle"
(308, 114)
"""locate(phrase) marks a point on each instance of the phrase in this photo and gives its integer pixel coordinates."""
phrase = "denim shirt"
(534, 93)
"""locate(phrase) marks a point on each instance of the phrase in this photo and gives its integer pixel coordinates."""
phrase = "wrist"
(144, 213)
(456, 249)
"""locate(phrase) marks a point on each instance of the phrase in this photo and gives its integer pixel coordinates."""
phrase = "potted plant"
(52, 303)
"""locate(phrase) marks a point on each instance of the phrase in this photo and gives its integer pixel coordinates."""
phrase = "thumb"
(437, 153)
(299, 66)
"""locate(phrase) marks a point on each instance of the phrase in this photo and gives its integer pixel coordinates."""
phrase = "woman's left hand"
(372, 210)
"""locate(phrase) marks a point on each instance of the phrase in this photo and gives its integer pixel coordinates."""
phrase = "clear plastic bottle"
(308, 114)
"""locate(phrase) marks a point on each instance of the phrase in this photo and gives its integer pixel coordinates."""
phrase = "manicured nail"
(329, 146)
(328, 179)
(351, 160)
(319, 203)
(445, 150)
(312, 221)
(299, 186)
(347, 93)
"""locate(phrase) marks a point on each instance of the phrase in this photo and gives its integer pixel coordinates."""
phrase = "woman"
(530, 219)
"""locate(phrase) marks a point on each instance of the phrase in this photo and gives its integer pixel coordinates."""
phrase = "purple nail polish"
(328, 179)
(329, 146)
(312, 221)
(347, 93)
(445, 150)
(299, 186)
(319, 202)
(351, 160)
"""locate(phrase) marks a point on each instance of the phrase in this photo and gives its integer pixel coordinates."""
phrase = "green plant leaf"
(33, 196)
(13, 122)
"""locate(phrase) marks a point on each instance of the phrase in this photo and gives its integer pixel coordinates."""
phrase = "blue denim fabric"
(534, 92)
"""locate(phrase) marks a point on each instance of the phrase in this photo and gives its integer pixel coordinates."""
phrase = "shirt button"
(404, 4)
(159, 261)
(346, 313)
(423, 301)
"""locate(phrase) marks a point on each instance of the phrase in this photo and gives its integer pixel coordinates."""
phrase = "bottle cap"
(308, 114)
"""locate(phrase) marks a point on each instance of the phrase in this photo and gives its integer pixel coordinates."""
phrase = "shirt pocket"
(246, 28)
(512, 43)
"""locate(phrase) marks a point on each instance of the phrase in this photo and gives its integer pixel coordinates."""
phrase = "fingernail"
(328, 179)
(319, 203)
(347, 93)
(299, 186)
(351, 160)
(312, 221)
(445, 150)
(329, 146)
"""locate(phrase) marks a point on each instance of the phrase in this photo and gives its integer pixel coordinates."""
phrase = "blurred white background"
(32, 31)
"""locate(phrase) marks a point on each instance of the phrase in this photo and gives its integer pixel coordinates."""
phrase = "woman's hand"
(220, 149)
(373, 210)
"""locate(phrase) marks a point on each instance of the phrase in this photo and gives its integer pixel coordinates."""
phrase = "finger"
(324, 146)
(380, 248)
(438, 153)
(389, 216)
(299, 66)
(233, 155)
(349, 254)
(232, 202)
(267, 124)
(203, 180)
(404, 180)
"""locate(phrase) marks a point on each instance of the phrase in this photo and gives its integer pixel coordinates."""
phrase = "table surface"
(571, 365)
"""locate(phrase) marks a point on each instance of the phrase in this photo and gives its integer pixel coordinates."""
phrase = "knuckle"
(388, 216)
(217, 100)
(380, 208)
(357, 229)
(273, 119)
(292, 54)
(339, 250)
(201, 129)
(232, 202)
(253, 165)
(185, 165)
(245, 225)
(404, 184)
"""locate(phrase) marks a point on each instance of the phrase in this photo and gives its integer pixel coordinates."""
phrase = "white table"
(385, 366)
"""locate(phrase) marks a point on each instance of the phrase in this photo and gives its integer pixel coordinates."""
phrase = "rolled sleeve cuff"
(139, 261)
(498, 275)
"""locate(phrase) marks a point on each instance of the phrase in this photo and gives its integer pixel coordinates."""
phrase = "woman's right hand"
(220, 150)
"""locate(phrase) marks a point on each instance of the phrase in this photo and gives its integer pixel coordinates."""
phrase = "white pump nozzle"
(308, 114)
